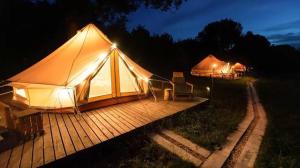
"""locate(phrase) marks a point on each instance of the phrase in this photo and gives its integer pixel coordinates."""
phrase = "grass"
(209, 127)
(281, 143)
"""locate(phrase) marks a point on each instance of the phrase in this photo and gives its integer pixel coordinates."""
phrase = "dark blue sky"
(279, 20)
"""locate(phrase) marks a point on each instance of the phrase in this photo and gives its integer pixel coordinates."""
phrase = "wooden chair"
(180, 86)
(27, 123)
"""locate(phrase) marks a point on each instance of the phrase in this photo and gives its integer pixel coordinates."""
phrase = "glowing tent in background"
(238, 67)
(210, 66)
(87, 68)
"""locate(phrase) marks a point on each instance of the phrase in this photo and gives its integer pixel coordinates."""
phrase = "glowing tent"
(238, 67)
(211, 66)
(87, 68)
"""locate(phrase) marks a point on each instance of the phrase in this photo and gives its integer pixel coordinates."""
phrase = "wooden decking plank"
(174, 107)
(94, 127)
(159, 108)
(99, 124)
(27, 154)
(48, 141)
(85, 139)
(59, 149)
(4, 157)
(131, 118)
(133, 121)
(16, 156)
(89, 132)
(108, 125)
(112, 123)
(66, 139)
(38, 152)
(73, 133)
(122, 119)
(117, 121)
(146, 109)
(146, 112)
(139, 115)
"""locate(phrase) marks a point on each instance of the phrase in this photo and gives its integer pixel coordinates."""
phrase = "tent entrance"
(101, 84)
(114, 79)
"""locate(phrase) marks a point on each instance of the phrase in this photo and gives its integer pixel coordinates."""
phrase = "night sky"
(278, 20)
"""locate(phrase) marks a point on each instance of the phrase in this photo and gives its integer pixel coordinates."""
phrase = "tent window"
(127, 80)
(101, 83)
(21, 92)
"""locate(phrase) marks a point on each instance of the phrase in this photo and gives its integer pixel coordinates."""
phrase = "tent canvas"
(211, 66)
(87, 68)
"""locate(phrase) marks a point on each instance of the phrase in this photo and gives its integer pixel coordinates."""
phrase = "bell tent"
(87, 69)
(238, 67)
(210, 66)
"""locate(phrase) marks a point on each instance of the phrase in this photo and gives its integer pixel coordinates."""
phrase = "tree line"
(34, 28)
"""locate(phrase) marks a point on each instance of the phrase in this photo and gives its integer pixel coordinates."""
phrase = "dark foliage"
(32, 29)
(220, 36)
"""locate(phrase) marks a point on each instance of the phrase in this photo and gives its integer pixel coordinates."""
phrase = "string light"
(207, 88)
(114, 45)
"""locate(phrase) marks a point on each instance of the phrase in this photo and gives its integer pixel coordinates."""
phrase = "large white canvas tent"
(87, 68)
(211, 66)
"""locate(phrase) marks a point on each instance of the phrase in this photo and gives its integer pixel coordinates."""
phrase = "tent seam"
(79, 52)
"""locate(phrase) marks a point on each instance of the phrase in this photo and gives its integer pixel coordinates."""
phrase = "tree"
(253, 50)
(220, 36)
(33, 28)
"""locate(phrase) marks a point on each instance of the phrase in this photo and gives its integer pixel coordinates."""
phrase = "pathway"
(243, 145)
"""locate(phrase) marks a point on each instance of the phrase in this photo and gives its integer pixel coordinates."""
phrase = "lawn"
(209, 127)
(281, 144)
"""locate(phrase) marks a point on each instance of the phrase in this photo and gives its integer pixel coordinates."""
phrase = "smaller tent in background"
(211, 66)
(238, 67)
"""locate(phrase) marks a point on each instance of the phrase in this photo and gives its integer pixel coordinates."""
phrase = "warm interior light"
(64, 94)
(114, 45)
(214, 65)
(88, 70)
(21, 92)
(226, 68)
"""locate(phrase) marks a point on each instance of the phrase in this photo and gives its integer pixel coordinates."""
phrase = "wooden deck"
(66, 134)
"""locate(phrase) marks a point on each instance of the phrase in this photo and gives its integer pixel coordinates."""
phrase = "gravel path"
(242, 145)
(236, 152)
